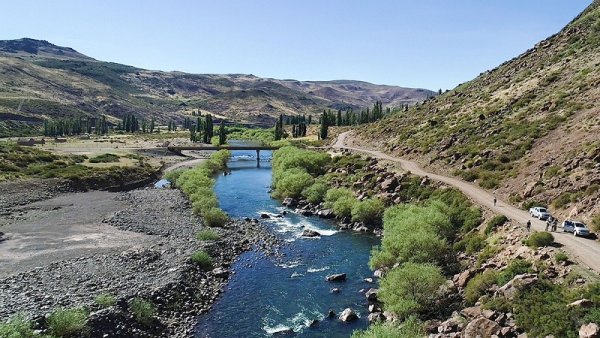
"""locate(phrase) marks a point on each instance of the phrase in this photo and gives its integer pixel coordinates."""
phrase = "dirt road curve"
(584, 250)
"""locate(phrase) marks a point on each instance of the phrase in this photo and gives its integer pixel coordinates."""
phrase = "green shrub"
(105, 158)
(207, 235)
(467, 175)
(173, 175)
(410, 234)
(410, 328)
(542, 310)
(561, 256)
(201, 204)
(472, 243)
(316, 192)
(368, 211)
(539, 239)
(143, 310)
(563, 200)
(286, 158)
(292, 182)
(343, 206)
(479, 284)
(202, 259)
(17, 327)
(497, 221)
(411, 289)
(335, 194)
(68, 322)
(516, 267)
(105, 300)
(214, 217)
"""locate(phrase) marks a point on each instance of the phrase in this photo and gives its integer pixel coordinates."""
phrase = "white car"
(576, 227)
(539, 212)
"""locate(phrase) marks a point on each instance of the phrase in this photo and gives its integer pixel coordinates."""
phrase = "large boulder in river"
(326, 213)
(348, 315)
(289, 202)
(372, 295)
(264, 216)
(310, 233)
(336, 277)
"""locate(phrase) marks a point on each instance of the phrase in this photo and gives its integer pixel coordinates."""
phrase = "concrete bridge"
(179, 149)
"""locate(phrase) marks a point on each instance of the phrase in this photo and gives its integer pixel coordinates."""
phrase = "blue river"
(267, 295)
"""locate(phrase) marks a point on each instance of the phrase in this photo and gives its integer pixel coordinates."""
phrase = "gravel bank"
(159, 270)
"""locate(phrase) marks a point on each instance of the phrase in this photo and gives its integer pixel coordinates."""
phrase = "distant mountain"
(527, 129)
(39, 80)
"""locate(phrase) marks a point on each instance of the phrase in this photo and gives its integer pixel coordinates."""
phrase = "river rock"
(330, 314)
(372, 295)
(264, 216)
(286, 332)
(376, 317)
(336, 277)
(289, 202)
(335, 290)
(379, 273)
(304, 212)
(326, 213)
(369, 280)
(310, 233)
(313, 323)
(220, 272)
(348, 315)
(590, 330)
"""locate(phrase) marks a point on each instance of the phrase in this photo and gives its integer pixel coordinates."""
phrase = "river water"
(266, 295)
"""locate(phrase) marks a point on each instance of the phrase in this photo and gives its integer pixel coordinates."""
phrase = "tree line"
(76, 126)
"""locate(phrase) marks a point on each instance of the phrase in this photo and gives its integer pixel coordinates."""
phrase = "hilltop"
(526, 130)
(39, 80)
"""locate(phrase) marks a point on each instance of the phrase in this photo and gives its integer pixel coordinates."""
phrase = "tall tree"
(222, 135)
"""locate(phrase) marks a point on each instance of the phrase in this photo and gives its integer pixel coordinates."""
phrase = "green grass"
(539, 239)
(105, 300)
(208, 235)
(68, 322)
(17, 327)
(202, 259)
(143, 310)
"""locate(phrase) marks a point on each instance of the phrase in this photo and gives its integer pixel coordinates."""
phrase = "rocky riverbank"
(158, 270)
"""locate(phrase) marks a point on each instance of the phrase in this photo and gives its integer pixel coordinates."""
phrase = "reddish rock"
(481, 327)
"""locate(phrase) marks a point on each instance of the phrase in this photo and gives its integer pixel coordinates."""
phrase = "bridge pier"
(258, 157)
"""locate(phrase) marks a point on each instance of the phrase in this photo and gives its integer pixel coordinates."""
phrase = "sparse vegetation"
(202, 259)
(105, 300)
(494, 223)
(143, 310)
(68, 322)
(17, 326)
(560, 257)
(412, 327)
(208, 235)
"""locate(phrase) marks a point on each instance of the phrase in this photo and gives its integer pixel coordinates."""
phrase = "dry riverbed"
(63, 249)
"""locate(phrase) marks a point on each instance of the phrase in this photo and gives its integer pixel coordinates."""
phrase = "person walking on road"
(528, 225)
(495, 200)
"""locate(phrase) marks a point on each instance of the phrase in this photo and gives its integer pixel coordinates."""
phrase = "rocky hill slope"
(527, 130)
(39, 80)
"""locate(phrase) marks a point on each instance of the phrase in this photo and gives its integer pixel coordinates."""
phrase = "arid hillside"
(527, 130)
(39, 80)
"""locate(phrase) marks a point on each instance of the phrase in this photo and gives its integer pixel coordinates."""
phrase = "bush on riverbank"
(410, 328)
(68, 322)
(105, 300)
(207, 235)
(197, 184)
(202, 259)
(316, 192)
(333, 195)
(17, 327)
(294, 169)
(411, 289)
(368, 211)
(143, 310)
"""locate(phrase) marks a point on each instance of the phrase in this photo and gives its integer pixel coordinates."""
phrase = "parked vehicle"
(576, 227)
(539, 212)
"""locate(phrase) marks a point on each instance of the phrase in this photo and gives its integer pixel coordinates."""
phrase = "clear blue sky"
(426, 43)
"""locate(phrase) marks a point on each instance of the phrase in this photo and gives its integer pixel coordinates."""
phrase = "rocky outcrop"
(310, 233)
(509, 290)
(481, 327)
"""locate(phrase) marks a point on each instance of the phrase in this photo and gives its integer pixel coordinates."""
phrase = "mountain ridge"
(526, 130)
(39, 80)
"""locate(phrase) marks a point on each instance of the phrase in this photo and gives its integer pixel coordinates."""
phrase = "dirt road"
(584, 250)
